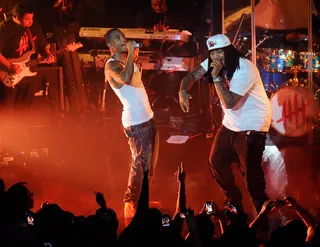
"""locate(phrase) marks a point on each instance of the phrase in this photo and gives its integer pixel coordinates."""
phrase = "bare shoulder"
(113, 66)
(112, 73)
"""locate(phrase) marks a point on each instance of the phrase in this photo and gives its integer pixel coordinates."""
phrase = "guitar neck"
(34, 62)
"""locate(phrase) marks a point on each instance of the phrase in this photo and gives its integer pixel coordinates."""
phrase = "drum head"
(291, 109)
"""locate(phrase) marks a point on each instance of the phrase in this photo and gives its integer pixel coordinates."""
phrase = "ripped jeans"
(143, 141)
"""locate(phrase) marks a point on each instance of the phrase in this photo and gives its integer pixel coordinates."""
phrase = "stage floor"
(87, 158)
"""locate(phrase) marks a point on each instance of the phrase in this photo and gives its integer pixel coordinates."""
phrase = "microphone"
(206, 74)
(209, 71)
(137, 45)
(223, 73)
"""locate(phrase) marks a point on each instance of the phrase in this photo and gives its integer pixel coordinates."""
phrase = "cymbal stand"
(213, 99)
(235, 39)
(260, 43)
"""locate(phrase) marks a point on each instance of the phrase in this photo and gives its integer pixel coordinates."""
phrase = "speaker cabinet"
(48, 103)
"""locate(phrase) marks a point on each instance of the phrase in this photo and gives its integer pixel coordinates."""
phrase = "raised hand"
(268, 206)
(100, 199)
(181, 175)
(217, 67)
(290, 202)
(216, 212)
(184, 101)
(131, 46)
(191, 219)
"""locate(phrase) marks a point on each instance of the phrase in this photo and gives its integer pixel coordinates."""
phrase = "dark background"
(121, 13)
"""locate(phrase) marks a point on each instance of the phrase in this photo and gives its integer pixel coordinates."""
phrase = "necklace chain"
(118, 59)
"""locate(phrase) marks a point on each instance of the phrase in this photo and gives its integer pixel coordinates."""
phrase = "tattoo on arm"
(189, 80)
(227, 98)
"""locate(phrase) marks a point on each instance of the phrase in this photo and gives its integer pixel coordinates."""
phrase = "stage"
(87, 157)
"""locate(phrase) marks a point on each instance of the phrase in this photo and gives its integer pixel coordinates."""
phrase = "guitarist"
(19, 34)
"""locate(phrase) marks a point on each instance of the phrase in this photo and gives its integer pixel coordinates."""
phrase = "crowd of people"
(241, 138)
(52, 226)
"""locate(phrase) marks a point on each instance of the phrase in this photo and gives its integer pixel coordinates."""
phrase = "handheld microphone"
(206, 74)
(223, 73)
(137, 45)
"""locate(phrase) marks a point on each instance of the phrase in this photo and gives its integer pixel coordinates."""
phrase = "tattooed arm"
(189, 80)
(186, 84)
(227, 97)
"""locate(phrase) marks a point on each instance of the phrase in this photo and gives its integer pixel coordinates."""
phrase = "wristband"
(217, 79)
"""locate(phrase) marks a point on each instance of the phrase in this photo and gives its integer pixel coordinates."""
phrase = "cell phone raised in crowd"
(182, 215)
(280, 203)
(165, 220)
(209, 208)
(30, 219)
(233, 208)
(230, 210)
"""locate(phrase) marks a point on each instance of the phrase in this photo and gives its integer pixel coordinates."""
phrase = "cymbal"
(282, 14)
(274, 15)
(296, 37)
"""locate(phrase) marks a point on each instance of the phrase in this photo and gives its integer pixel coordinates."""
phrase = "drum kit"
(284, 74)
(282, 58)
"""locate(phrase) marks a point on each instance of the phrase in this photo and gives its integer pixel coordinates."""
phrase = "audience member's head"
(20, 197)
(205, 226)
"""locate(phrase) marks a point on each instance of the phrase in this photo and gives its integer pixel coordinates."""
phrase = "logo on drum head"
(290, 110)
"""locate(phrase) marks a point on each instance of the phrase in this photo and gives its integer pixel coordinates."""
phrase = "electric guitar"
(24, 62)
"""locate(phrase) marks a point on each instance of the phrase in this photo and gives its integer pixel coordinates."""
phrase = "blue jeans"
(143, 141)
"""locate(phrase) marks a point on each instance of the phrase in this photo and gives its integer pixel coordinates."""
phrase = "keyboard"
(137, 33)
(148, 60)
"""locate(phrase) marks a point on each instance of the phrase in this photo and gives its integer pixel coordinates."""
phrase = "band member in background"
(163, 85)
(246, 121)
(18, 34)
(61, 17)
(155, 18)
(138, 121)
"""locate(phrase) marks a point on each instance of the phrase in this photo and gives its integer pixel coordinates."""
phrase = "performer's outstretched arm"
(186, 84)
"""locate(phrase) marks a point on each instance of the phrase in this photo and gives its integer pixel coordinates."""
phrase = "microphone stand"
(234, 43)
(211, 89)
(260, 42)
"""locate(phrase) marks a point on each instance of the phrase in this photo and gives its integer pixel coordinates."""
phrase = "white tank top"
(135, 101)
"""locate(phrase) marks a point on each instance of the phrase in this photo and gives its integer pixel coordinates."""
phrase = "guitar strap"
(31, 39)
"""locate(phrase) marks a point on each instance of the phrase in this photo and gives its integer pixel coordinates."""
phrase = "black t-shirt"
(14, 41)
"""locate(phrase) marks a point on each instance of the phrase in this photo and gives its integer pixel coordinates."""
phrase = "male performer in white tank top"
(138, 121)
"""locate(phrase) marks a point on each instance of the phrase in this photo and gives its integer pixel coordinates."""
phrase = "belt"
(150, 122)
